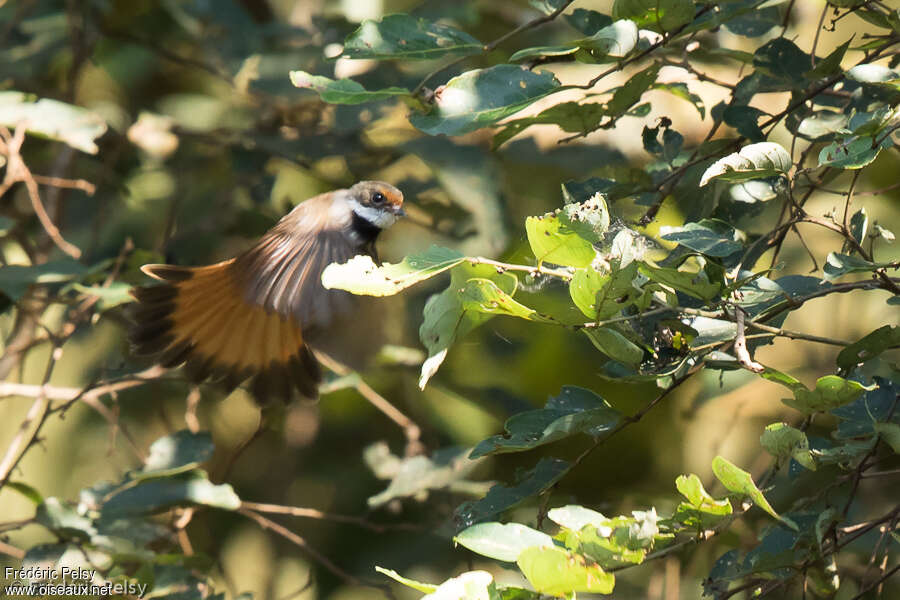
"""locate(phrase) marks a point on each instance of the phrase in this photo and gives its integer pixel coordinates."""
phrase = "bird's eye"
(378, 198)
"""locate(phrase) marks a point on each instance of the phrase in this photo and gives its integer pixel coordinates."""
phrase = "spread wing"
(251, 316)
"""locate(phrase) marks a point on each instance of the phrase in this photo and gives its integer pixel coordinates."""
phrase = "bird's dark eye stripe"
(378, 198)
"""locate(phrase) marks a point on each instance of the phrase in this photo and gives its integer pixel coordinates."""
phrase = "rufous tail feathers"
(198, 316)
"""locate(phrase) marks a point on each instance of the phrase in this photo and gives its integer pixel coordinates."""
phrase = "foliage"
(659, 273)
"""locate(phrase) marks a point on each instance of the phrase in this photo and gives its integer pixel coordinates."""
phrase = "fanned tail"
(199, 316)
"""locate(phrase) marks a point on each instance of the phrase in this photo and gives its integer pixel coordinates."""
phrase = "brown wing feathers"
(200, 316)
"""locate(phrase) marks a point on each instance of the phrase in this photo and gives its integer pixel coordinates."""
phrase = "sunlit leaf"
(343, 91)
(831, 392)
(837, 265)
(755, 161)
(484, 296)
(659, 15)
(696, 285)
(425, 588)
(783, 441)
(473, 585)
(404, 37)
(176, 453)
(482, 97)
(615, 345)
(557, 572)
(416, 476)
(601, 295)
(739, 481)
(553, 241)
(360, 275)
(576, 517)
(853, 152)
(501, 541)
(73, 125)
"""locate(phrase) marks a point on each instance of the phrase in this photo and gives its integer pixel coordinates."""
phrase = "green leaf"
(569, 116)
(360, 275)
(877, 74)
(630, 93)
(501, 541)
(155, 495)
(696, 285)
(681, 90)
(472, 585)
(63, 519)
(822, 125)
(343, 91)
(890, 433)
(553, 241)
(425, 588)
(482, 97)
(576, 518)
(73, 125)
(404, 37)
(500, 497)
(702, 239)
(756, 190)
(176, 453)
(589, 219)
(26, 490)
(615, 345)
(701, 509)
(603, 295)
(738, 481)
(15, 279)
(415, 476)
(557, 572)
(869, 346)
(115, 294)
(446, 318)
(542, 51)
(483, 296)
(755, 161)
(859, 225)
(587, 21)
(854, 152)
(658, 15)
(837, 265)
(831, 64)
(783, 441)
(783, 60)
(830, 393)
(614, 40)
(608, 549)
(575, 410)
(745, 119)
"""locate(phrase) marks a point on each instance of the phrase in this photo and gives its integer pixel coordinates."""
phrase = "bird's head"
(379, 203)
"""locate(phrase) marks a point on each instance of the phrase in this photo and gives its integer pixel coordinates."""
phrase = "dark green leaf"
(575, 410)
(744, 119)
(445, 318)
(615, 345)
(837, 265)
(869, 346)
(15, 279)
(500, 497)
(64, 519)
(482, 97)
(587, 21)
(343, 91)
(176, 453)
(702, 239)
(852, 152)
(155, 495)
(783, 60)
(404, 37)
(26, 490)
(831, 64)
(569, 116)
(630, 93)
(696, 285)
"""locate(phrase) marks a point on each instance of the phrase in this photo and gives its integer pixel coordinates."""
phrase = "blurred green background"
(208, 144)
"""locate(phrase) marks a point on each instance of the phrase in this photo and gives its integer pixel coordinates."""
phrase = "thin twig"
(312, 513)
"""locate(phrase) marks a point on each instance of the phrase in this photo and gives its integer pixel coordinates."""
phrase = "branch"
(312, 513)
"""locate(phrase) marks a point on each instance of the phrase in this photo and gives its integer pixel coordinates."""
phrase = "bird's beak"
(398, 210)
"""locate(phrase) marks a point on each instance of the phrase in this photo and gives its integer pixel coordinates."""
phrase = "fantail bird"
(256, 315)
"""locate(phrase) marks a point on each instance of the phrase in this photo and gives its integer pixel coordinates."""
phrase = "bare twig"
(312, 513)
(410, 429)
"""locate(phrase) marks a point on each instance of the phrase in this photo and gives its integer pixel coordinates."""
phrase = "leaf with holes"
(360, 275)
(344, 91)
(404, 37)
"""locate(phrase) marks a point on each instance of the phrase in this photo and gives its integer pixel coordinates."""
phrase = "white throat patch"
(378, 217)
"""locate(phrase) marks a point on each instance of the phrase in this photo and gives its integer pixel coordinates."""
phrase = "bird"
(256, 316)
